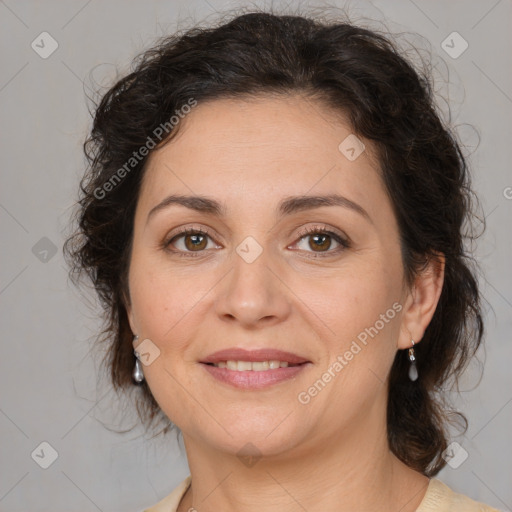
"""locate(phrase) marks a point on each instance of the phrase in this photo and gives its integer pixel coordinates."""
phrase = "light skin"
(299, 296)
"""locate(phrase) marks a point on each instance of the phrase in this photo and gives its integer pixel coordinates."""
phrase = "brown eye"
(321, 241)
(190, 240)
(195, 242)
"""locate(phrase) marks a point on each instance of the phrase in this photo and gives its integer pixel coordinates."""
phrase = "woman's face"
(267, 277)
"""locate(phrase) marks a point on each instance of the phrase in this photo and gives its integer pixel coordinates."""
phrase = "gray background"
(48, 384)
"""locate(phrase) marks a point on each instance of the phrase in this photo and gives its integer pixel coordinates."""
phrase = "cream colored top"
(438, 498)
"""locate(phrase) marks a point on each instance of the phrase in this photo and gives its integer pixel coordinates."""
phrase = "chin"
(255, 436)
(247, 446)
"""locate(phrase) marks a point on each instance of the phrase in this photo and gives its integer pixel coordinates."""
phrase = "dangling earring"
(413, 371)
(138, 374)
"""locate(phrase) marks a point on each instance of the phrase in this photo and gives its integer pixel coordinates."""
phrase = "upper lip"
(264, 354)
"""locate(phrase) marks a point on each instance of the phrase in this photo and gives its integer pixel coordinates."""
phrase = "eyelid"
(319, 228)
(342, 239)
(189, 230)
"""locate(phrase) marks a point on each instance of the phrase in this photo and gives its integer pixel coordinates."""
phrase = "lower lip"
(251, 379)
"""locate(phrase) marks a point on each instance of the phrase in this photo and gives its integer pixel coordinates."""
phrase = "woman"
(273, 219)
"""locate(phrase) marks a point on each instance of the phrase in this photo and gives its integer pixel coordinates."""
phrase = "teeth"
(257, 366)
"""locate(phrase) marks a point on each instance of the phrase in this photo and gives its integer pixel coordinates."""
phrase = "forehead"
(255, 148)
(265, 127)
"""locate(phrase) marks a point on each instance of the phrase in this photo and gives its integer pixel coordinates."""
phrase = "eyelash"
(316, 230)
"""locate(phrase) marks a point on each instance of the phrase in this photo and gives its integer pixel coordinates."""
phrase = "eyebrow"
(287, 206)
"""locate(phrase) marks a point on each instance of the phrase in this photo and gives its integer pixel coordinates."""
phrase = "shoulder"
(170, 503)
(440, 498)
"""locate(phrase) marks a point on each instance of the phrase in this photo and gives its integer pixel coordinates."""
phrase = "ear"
(129, 312)
(131, 318)
(421, 302)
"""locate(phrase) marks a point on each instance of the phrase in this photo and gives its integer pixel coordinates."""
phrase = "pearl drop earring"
(138, 374)
(413, 370)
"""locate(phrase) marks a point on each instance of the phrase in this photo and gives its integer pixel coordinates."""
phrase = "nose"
(253, 294)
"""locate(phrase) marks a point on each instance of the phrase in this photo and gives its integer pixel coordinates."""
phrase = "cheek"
(360, 315)
(156, 299)
(358, 311)
(169, 305)
(352, 299)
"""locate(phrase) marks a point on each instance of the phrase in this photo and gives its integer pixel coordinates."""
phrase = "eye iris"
(196, 243)
(323, 245)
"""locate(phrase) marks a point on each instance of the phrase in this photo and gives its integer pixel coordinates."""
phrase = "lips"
(265, 354)
(269, 367)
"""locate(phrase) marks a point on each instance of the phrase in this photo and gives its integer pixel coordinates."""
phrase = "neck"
(352, 471)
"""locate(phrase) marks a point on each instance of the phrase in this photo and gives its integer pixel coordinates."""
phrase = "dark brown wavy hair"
(356, 71)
